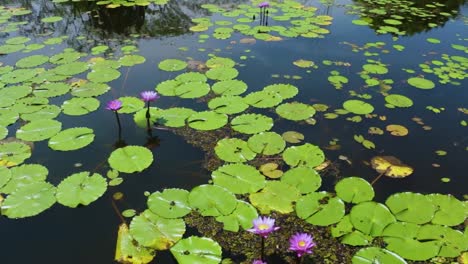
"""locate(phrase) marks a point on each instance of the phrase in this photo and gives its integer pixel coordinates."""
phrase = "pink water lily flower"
(264, 4)
(114, 105)
(149, 96)
(263, 226)
(257, 261)
(301, 243)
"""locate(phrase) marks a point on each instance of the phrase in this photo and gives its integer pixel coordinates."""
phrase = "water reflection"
(416, 17)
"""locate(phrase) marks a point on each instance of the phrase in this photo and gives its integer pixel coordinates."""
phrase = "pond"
(344, 120)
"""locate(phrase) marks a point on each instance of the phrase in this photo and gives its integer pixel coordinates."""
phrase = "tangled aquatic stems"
(263, 226)
(301, 243)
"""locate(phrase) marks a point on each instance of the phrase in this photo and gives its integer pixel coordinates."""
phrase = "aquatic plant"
(147, 97)
(263, 226)
(301, 244)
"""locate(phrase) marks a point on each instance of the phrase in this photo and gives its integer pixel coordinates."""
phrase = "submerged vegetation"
(276, 192)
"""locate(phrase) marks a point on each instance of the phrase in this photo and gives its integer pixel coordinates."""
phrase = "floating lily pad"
(229, 87)
(47, 112)
(305, 179)
(375, 68)
(217, 62)
(293, 137)
(243, 216)
(13, 153)
(238, 178)
(51, 19)
(212, 200)
(131, 60)
(263, 99)
(295, 111)
(171, 203)
(24, 175)
(151, 230)
(451, 242)
(320, 209)
(39, 130)
(207, 120)
(370, 254)
(421, 83)
(72, 68)
(398, 100)
(81, 188)
(130, 104)
(140, 116)
(80, 106)
(129, 251)
(306, 155)
(172, 65)
(18, 76)
(72, 139)
(17, 40)
(358, 107)
(102, 75)
(391, 166)
(52, 89)
(267, 143)
(32, 61)
(222, 73)
(450, 211)
(197, 250)
(65, 57)
(285, 91)
(29, 200)
(411, 207)
(130, 159)
(251, 123)
(354, 190)
(276, 196)
(371, 218)
(173, 117)
(228, 104)
(234, 150)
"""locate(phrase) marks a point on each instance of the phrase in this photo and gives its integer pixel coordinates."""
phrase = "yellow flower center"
(301, 243)
(263, 226)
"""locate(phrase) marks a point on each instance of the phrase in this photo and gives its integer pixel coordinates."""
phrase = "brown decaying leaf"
(391, 166)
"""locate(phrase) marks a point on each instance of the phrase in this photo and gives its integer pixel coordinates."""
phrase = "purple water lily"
(263, 226)
(258, 261)
(264, 5)
(114, 105)
(301, 243)
(149, 96)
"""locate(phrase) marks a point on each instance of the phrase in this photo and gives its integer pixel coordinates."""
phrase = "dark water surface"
(88, 234)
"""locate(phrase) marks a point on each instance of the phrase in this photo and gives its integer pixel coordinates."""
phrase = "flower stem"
(148, 117)
(299, 259)
(263, 250)
(118, 124)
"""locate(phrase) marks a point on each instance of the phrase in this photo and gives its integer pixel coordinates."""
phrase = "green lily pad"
(222, 73)
(207, 120)
(171, 203)
(191, 77)
(103, 75)
(370, 255)
(29, 105)
(234, 150)
(52, 89)
(251, 123)
(15, 92)
(140, 116)
(307, 155)
(32, 61)
(80, 106)
(8, 49)
(452, 242)
(51, 19)
(411, 207)
(293, 137)
(276, 196)
(371, 218)
(228, 104)
(212, 200)
(17, 40)
(18, 76)
(130, 159)
(398, 100)
(65, 57)
(285, 91)
(151, 230)
(229, 87)
(72, 139)
(238, 178)
(130, 105)
(191, 90)
(47, 112)
(131, 60)
(173, 117)
(81, 188)
(24, 175)
(172, 65)
(305, 179)
(349, 236)
(70, 69)
(354, 190)
(197, 250)
(5, 176)
(421, 83)
(217, 62)
(168, 88)
(320, 209)
(375, 68)
(3, 132)
(449, 210)
(243, 216)
(13, 153)
(295, 111)
(29, 200)
(358, 107)
(39, 130)
(263, 99)
(266, 143)
(129, 251)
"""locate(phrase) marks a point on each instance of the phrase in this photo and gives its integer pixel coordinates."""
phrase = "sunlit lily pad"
(222, 73)
(354, 190)
(172, 65)
(212, 200)
(29, 200)
(234, 150)
(391, 166)
(80, 188)
(375, 68)
(421, 83)
(305, 155)
(370, 254)
(39, 130)
(32, 61)
(320, 208)
(80, 106)
(130, 159)
(102, 75)
(47, 112)
(411, 207)
(171, 203)
(130, 104)
(197, 250)
(217, 62)
(285, 91)
(305, 179)
(263, 99)
(151, 230)
(243, 216)
(207, 120)
(229, 87)
(371, 218)
(358, 107)
(17, 76)
(295, 111)
(238, 178)
(23, 175)
(129, 251)
(173, 117)
(398, 100)
(72, 139)
(90, 89)
(292, 136)
(397, 130)
(276, 196)
(13, 153)
(251, 123)
(227, 105)
(267, 143)
(52, 89)
(72, 68)
(131, 60)
(450, 211)
(51, 19)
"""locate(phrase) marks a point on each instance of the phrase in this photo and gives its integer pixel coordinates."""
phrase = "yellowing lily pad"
(391, 166)
(397, 130)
